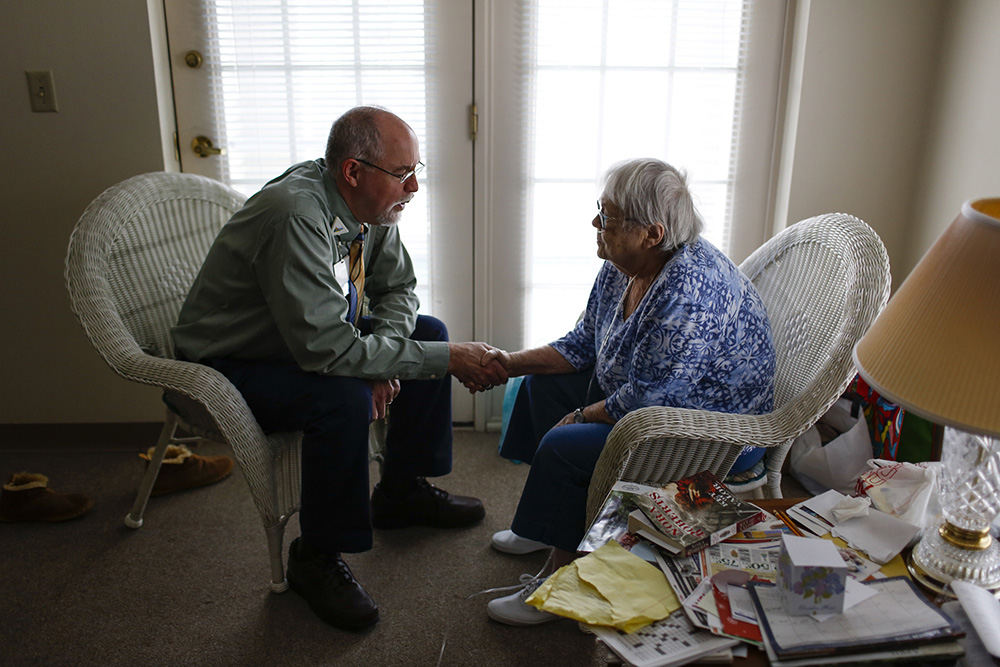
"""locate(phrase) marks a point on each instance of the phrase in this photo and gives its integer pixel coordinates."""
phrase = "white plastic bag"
(905, 490)
(837, 464)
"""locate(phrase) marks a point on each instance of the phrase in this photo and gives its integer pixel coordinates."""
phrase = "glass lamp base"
(935, 562)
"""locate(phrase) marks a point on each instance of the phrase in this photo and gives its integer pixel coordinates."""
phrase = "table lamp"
(935, 351)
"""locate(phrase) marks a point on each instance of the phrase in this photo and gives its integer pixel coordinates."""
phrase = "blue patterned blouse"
(700, 338)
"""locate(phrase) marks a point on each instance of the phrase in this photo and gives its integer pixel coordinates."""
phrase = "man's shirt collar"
(344, 224)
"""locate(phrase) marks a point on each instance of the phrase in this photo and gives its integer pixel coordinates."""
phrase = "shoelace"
(335, 567)
(529, 582)
(424, 484)
(530, 585)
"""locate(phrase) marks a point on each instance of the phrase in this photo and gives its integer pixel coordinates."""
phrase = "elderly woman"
(670, 321)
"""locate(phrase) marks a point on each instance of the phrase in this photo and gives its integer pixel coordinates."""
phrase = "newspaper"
(671, 641)
(684, 574)
(758, 559)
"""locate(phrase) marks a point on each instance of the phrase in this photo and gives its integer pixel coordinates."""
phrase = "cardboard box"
(811, 576)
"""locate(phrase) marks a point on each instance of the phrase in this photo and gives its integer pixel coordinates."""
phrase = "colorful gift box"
(811, 576)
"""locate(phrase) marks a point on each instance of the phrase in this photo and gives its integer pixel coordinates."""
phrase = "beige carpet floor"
(191, 586)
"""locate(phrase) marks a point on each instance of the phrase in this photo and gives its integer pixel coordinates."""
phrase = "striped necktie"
(356, 276)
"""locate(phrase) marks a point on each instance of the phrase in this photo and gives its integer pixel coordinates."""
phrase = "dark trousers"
(334, 413)
(553, 503)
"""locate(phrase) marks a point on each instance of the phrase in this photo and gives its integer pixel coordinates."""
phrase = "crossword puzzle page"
(671, 641)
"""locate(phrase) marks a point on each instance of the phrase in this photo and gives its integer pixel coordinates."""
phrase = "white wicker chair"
(823, 281)
(132, 259)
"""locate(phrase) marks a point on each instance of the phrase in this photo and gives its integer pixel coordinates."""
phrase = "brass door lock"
(203, 146)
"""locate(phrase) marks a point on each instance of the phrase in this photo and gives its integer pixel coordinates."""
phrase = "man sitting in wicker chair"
(670, 321)
(268, 311)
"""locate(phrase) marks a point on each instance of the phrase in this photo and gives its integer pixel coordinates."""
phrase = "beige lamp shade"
(935, 349)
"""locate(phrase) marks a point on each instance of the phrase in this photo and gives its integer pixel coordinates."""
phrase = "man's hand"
(383, 392)
(469, 364)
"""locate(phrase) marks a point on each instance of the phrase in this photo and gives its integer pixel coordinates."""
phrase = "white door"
(263, 82)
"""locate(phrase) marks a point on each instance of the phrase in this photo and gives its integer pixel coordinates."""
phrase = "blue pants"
(334, 413)
(553, 503)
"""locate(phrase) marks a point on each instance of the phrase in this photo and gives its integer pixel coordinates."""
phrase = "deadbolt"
(193, 59)
(202, 145)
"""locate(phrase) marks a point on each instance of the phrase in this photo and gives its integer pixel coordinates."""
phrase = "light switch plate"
(41, 90)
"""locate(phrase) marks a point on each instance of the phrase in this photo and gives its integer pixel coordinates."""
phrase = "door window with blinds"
(563, 88)
(610, 81)
(276, 74)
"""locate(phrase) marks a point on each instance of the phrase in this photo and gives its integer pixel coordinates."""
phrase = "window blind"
(283, 71)
(603, 80)
(611, 80)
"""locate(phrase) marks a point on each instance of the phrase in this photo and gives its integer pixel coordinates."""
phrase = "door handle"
(203, 146)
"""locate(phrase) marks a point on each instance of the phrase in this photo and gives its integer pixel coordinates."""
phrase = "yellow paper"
(609, 587)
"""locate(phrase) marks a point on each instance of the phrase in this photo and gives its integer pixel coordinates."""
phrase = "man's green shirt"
(267, 290)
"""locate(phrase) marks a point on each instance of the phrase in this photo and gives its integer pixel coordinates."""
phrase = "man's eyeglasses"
(402, 178)
(603, 217)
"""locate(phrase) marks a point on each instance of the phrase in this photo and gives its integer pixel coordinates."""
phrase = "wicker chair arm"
(661, 443)
(208, 401)
(658, 443)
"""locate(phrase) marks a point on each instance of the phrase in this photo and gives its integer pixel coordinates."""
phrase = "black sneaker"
(425, 505)
(330, 588)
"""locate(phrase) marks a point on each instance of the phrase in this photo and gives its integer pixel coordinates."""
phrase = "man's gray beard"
(388, 218)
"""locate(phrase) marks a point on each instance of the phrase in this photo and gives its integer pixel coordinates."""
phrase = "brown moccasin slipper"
(183, 469)
(27, 497)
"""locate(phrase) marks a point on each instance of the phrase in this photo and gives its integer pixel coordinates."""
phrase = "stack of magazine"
(712, 546)
(682, 517)
(675, 527)
(897, 625)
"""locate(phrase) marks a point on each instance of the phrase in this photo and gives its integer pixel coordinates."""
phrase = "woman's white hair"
(648, 191)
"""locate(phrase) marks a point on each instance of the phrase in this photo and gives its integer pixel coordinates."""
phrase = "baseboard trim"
(130, 436)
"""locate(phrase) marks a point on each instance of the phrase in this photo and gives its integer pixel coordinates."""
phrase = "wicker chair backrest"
(823, 281)
(136, 251)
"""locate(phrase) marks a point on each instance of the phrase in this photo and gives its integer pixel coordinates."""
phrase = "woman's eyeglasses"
(603, 217)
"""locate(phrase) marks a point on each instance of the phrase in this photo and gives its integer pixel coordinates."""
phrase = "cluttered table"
(686, 572)
(778, 507)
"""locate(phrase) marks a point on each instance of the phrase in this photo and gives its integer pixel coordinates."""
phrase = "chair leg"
(774, 485)
(134, 518)
(275, 540)
(376, 442)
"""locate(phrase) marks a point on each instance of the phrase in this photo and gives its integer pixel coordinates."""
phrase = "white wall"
(879, 132)
(963, 138)
(53, 164)
(863, 82)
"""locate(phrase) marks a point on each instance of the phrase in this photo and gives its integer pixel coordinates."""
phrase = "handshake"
(479, 366)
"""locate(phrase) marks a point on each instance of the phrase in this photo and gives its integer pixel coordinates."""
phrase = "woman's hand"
(593, 413)
(501, 356)
(474, 368)
(568, 419)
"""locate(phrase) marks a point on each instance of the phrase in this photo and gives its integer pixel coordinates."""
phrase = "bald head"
(360, 133)
(369, 154)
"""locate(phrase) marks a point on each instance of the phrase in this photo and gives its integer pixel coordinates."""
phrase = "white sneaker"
(510, 542)
(513, 610)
